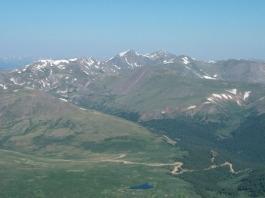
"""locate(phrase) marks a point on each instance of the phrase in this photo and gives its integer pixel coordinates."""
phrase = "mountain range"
(200, 120)
(155, 85)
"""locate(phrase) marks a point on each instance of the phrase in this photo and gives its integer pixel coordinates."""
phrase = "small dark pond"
(143, 186)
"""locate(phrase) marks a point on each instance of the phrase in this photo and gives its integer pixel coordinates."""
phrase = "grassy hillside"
(34, 122)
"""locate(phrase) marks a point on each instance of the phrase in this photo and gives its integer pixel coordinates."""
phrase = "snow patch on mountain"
(13, 80)
(62, 91)
(3, 86)
(163, 55)
(230, 95)
(185, 60)
(121, 54)
(63, 99)
(246, 95)
(90, 62)
(191, 107)
(209, 77)
(117, 67)
(232, 91)
(168, 61)
(211, 61)
(132, 64)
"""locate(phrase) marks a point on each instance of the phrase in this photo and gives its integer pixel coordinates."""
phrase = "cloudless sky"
(204, 29)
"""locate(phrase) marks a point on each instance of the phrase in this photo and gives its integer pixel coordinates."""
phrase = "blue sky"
(206, 29)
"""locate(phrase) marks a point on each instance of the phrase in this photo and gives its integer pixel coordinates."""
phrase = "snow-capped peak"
(73, 59)
(121, 54)
(44, 63)
(51, 62)
(160, 55)
(58, 62)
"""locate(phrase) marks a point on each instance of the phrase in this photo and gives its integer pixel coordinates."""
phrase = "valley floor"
(102, 176)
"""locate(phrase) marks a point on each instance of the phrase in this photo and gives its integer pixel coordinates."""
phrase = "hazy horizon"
(104, 58)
